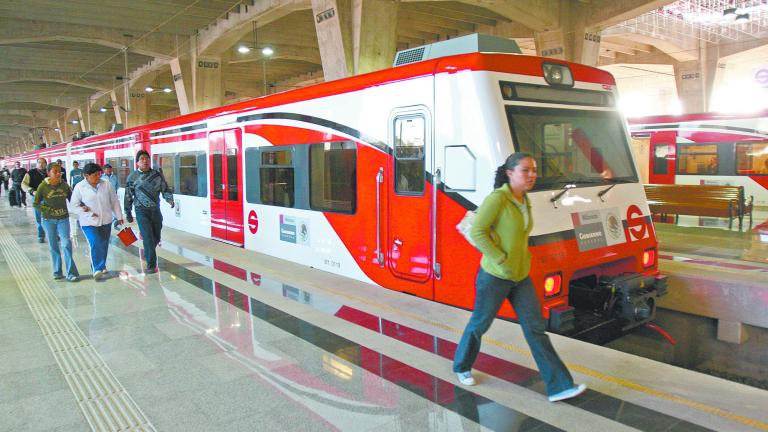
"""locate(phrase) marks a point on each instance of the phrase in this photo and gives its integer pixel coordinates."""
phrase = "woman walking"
(51, 201)
(500, 231)
(95, 202)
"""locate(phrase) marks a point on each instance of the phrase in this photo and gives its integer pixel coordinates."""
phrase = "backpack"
(465, 226)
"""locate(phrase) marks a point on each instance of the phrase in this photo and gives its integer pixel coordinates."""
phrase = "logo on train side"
(253, 222)
(636, 223)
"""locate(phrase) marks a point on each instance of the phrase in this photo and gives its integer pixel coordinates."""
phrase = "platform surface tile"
(226, 339)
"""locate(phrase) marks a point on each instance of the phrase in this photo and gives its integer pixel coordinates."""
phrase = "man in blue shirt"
(109, 175)
(76, 175)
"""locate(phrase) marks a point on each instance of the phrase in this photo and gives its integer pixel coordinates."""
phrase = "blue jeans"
(98, 240)
(490, 293)
(150, 223)
(57, 231)
(38, 221)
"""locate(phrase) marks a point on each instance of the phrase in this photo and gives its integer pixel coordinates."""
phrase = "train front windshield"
(573, 146)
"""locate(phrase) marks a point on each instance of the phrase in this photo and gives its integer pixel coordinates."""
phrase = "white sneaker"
(567, 394)
(466, 378)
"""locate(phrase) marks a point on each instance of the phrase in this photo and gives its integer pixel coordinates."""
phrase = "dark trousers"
(150, 223)
(21, 196)
(490, 293)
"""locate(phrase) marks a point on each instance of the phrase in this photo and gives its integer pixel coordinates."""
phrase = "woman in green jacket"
(500, 231)
(51, 198)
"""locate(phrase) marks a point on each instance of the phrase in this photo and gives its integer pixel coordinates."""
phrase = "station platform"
(227, 339)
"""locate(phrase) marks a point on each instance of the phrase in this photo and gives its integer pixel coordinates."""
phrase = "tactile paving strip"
(106, 405)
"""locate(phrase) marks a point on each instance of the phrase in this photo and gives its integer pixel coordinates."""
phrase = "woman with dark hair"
(95, 202)
(51, 200)
(500, 230)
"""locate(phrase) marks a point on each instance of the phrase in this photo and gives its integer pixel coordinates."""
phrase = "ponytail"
(501, 172)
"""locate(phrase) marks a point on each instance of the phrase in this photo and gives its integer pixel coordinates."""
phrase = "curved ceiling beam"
(16, 32)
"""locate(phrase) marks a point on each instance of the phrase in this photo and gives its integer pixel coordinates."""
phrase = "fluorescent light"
(102, 109)
(167, 90)
(267, 51)
(148, 89)
(242, 49)
(74, 121)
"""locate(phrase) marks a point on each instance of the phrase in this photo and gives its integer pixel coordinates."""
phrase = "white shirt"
(101, 201)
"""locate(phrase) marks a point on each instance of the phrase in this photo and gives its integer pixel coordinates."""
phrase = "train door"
(663, 158)
(410, 236)
(226, 185)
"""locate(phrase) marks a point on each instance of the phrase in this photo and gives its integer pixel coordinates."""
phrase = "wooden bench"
(699, 200)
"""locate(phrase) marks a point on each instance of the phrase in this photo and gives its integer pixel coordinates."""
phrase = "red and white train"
(368, 176)
(708, 148)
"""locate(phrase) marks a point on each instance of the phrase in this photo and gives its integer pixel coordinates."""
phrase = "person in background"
(17, 176)
(500, 230)
(110, 176)
(142, 190)
(51, 200)
(95, 202)
(63, 170)
(6, 176)
(75, 175)
(29, 184)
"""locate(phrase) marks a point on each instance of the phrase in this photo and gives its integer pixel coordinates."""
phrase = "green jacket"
(498, 233)
(52, 200)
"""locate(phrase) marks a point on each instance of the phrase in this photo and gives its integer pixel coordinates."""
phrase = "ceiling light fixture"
(148, 89)
(267, 51)
(242, 49)
(74, 122)
(167, 90)
(102, 109)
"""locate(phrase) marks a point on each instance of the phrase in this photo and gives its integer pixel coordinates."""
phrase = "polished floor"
(226, 340)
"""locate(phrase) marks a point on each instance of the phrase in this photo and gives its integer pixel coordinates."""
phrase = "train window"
(166, 163)
(660, 154)
(232, 174)
(572, 146)
(697, 159)
(216, 167)
(409, 140)
(332, 176)
(192, 178)
(123, 169)
(276, 176)
(752, 158)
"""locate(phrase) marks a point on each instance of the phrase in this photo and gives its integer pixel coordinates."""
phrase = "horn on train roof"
(460, 45)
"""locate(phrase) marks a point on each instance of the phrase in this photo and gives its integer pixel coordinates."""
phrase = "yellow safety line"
(578, 368)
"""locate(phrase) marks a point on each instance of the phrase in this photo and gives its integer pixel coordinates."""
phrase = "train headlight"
(553, 284)
(557, 74)
(649, 257)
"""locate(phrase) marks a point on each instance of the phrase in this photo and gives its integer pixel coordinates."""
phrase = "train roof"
(493, 62)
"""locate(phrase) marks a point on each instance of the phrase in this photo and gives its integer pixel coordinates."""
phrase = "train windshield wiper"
(613, 182)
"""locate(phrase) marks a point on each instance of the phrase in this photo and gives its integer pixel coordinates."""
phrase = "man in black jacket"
(29, 184)
(17, 175)
(143, 189)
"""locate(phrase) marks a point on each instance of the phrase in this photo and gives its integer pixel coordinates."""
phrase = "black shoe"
(41, 239)
(58, 276)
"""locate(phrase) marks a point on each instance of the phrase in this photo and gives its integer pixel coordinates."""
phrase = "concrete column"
(61, 131)
(334, 36)
(374, 34)
(139, 108)
(209, 83)
(178, 84)
(116, 107)
(696, 79)
(81, 120)
(574, 40)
